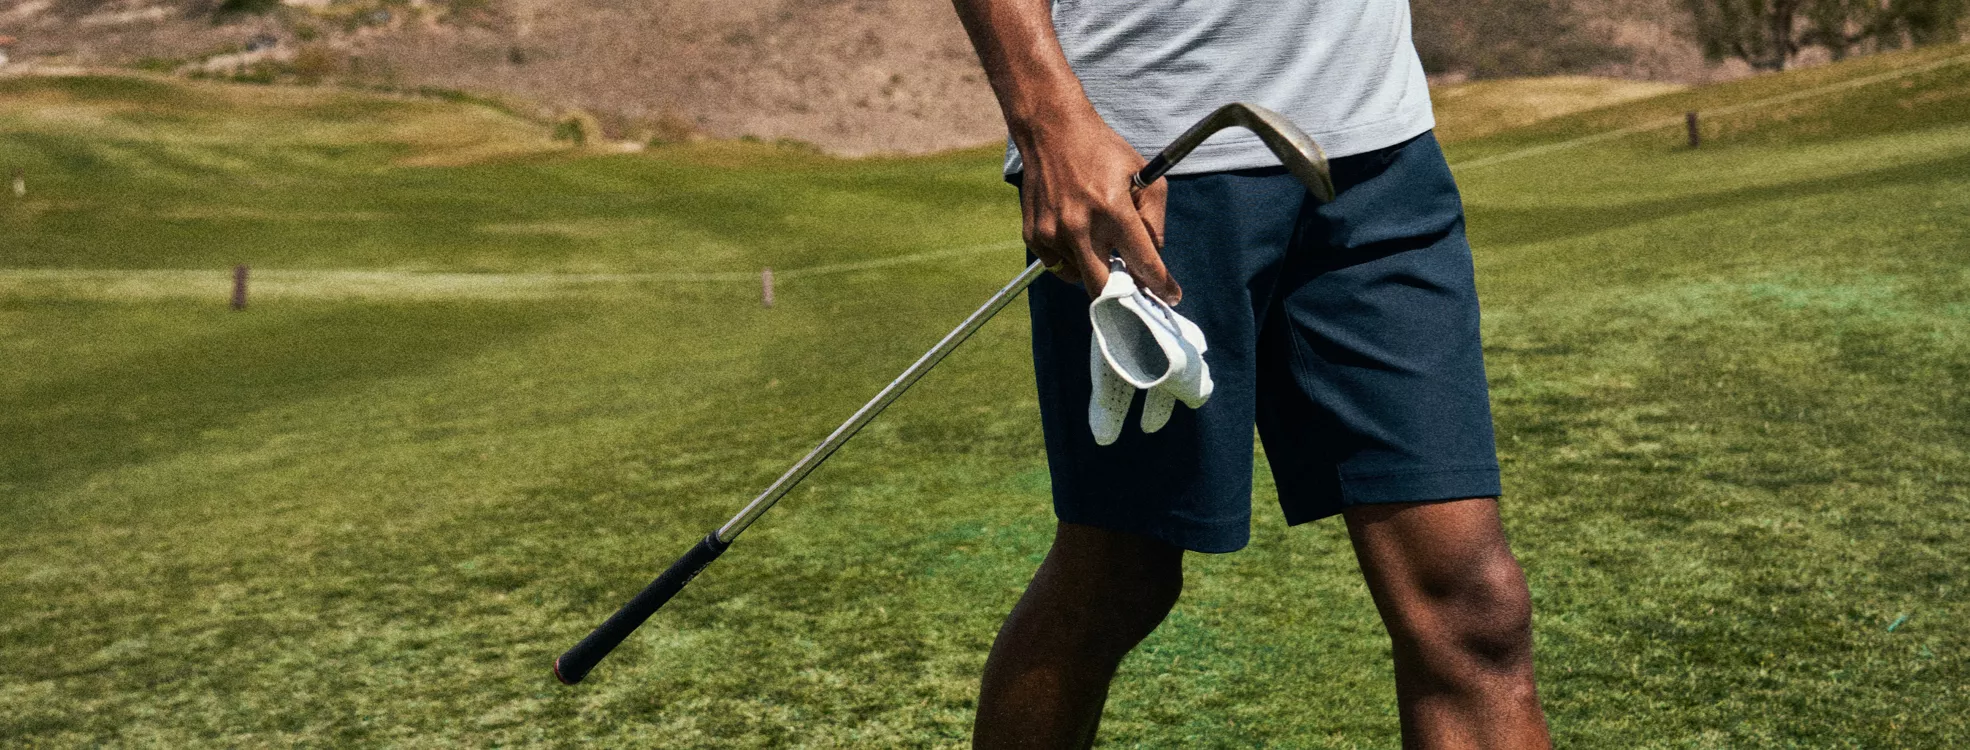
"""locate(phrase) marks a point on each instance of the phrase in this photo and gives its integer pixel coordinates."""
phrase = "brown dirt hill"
(854, 76)
(850, 76)
(90, 32)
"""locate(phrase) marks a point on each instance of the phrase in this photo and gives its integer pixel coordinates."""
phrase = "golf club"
(1294, 148)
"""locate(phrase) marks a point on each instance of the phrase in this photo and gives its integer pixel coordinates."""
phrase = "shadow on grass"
(161, 399)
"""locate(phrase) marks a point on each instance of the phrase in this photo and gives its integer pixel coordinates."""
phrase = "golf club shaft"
(576, 662)
(753, 510)
(1297, 151)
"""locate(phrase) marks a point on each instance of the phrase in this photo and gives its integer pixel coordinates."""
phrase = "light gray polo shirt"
(1345, 71)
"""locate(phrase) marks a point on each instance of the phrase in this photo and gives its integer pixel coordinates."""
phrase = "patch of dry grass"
(1466, 111)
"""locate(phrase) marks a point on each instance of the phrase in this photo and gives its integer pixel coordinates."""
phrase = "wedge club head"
(1287, 141)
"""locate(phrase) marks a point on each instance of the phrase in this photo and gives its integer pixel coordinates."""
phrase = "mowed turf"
(370, 510)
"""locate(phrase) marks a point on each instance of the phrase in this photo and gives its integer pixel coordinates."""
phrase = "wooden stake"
(1696, 139)
(239, 287)
(766, 286)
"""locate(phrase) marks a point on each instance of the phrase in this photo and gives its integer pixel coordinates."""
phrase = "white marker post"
(20, 183)
(766, 286)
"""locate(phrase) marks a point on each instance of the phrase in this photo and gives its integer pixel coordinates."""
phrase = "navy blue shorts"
(1347, 332)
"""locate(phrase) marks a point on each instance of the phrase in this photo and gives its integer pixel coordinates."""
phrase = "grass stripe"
(355, 283)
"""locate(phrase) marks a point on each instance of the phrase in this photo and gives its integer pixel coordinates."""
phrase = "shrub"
(230, 8)
(670, 129)
(314, 62)
(579, 128)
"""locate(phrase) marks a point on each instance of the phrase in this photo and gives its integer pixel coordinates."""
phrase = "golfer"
(1347, 332)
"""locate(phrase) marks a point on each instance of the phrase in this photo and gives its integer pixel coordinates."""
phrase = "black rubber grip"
(574, 665)
(1152, 171)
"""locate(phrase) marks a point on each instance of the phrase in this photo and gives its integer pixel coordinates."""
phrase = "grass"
(1467, 111)
(1728, 389)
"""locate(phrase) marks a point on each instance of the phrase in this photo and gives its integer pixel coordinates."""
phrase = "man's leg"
(1097, 595)
(1460, 618)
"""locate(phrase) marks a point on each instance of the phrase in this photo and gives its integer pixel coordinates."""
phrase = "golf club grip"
(1149, 173)
(574, 665)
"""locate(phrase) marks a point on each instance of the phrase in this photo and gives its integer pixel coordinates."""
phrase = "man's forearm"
(1076, 202)
(1023, 60)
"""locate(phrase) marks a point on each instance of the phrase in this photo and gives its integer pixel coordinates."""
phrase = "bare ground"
(851, 77)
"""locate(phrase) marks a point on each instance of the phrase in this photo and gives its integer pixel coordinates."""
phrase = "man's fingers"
(1150, 204)
(1051, 260)
(1145, 263)
(1069, 271)
(1079, 242)
(1042, 235)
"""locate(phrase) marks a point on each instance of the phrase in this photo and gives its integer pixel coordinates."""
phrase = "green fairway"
(488, 386)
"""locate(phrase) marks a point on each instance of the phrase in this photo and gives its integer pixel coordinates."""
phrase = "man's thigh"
(1371, 371)
(1188, 484)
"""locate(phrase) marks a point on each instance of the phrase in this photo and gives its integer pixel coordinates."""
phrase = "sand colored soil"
(850, 77)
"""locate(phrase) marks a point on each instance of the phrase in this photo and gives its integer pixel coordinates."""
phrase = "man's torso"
(1343, 70)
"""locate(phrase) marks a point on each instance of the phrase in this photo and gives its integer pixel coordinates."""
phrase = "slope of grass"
(305, 180)
(1929, 98)
(1467, 111)
(1728, 388)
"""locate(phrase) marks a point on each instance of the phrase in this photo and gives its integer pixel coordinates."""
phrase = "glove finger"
(1156, 407)
(1108, 401)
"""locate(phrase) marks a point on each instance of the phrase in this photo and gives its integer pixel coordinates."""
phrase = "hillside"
(851, 76)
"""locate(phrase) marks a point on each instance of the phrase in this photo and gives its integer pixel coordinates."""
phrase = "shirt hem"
(1243, 150)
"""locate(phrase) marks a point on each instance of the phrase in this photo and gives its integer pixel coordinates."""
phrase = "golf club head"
(1292, 145)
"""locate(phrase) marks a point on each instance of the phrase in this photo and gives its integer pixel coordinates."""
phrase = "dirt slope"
(850, 76)
(856, 76)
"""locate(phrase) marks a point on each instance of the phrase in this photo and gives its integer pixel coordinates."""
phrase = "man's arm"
(1075, 197)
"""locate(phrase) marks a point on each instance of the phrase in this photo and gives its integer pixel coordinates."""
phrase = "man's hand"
(1077, 206)
(1075, 197)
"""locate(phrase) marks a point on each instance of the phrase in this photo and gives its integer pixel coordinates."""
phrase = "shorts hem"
(1411, 487)
(1195, 536)
(1422, 486)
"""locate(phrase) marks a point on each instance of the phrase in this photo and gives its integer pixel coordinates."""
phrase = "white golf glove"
(1141, 343)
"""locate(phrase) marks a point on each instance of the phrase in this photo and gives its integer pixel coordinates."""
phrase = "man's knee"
(1472, 618)
(1111, 589)
(1451, 594)
(1492, 620)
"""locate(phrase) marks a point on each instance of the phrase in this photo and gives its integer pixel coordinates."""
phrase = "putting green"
(487, 387)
